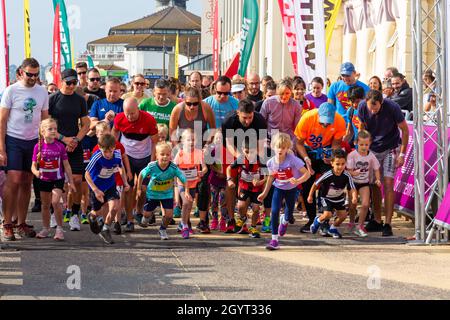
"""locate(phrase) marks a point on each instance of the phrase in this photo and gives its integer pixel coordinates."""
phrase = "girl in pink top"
(49, 164)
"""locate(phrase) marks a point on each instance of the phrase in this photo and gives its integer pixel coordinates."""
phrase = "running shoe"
(273, 245)
(67, 214)
(360, 232)
(374, 226)
(254, 233)
(163, 234)
(117, 228)
(215, 224)
(180, 227)
(144, 222)
(387, 231)
(315, 226)
(185, 233)
(177, 212)
(37, 206)
(84, 219)
(239, 224)
(222, 225)
(307, 227)
(282, 229)
(93, 224)
(59, 234)
(172, 222)
(53, 223)
(74, 223)
(196, 213)
(323, 230)
(334, 233)
(44, 234)
(8, 232)
(138, 217)
(105, 234)
(231, 227)
(203, 227)
(351, 228)
(130, 227)
(25, 232)
(244, 230)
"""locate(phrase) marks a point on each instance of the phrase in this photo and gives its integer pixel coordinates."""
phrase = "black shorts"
(110, 194)
(244, 195)
(361, 185)
(49, 186)
(330, 206)
(151, 205)
(136, 166)
(19, 153)
(76, 161)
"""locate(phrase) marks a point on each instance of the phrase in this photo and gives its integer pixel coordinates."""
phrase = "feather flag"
(26, 8)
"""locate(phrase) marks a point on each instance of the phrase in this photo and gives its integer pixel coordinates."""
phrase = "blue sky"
(93, 22)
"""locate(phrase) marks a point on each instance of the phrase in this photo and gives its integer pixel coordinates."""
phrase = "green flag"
(65, 34)
(90, 62)
(249, 28)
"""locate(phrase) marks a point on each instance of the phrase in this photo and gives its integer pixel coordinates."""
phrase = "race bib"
(191, 174)
(335, 193)
(107, 173)
(87, 155)
(49, 165)
(283, 176)
(248, 177)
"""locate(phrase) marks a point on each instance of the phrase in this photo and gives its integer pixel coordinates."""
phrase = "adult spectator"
(138, 87)
(195, 80)
(222, 103)
(109, 107)
(239, 91)
(264, 81)
(148, 91)
(403, 93)
(254, 92)
(23, 106)
(81, 68)
(206, 82)
(270, 90)
(388, 91)
(383, 119)
(94, 84)
(375, 84)
(338, 90)
(429, 96)
(316, 95)
(70, 110)
(299, 90)
(282, 112)
(160, 106)
(52, 88)
(318, 133)
(138, 133)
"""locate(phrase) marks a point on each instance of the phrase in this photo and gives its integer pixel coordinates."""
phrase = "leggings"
(289, 197)
(218, 200)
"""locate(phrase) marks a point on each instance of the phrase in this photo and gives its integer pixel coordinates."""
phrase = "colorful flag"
(216, 40)
(4, 60)
(177, 56)
(331, 11)
(65, 34)
(90, 62)
(250, 18)
(26, 8)
(288, 17)
(56, 68)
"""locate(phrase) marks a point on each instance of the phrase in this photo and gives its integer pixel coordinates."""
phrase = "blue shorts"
(19, 153)
(151, 204)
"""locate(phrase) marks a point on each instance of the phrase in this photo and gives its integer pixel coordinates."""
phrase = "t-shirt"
(100, 93)
(88, 144)
(101, 107)
(120, 147)
(317, 101)
(332, 187)
(25, 105)
(218, 157)
(366, 164)
(51, 167)
(352, 116)
(338, 93)
(256, 98)
(67, 110)
(131, 95)
(316, 136)
(161, 182)
(383, 126)
(160, 113)
(283, 172)
(190, 164)
(102, 170)
(248, 172)
(221, 110)
(136, 136)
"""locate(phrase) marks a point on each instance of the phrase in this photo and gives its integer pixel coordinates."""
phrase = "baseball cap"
(347, 69)
(237, 88)
(327, 113)
(69, 75)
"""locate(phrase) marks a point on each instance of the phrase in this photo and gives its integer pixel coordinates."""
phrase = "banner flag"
(56, 68)
(90, 62)
(250, 18)
(65, 33)
(177, 56)
(216, 40)
(331, 11)
(288, 18)
(26, 8)
(4, 59)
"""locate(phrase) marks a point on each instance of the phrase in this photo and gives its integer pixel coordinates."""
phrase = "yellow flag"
(331, 11)
(26, 7)
(177, 54)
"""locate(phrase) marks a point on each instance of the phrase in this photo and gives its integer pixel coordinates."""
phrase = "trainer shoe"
(315, 226)
(172, 222)
(351, 228)
(53, 223)
(204, 228)
(196, 213)
(273, 245)
(177, 212)
(387, 231)
(25, 232)
(185, 233)
(215, 224)
(334, 233)
(374, 226)
(37, 206)
(44, 234)
(8, 232)
(307, 227)
(123, 219)
(239, 224)
(59, 235)
(231, 226)
(163, 234)
(67, 214)
(93, 224)
(138, 217)
(84, 219)
(222, 225)
(323, 230)
(244, 230)
(144, 222)
(117, 228)
(360, 232)
(105, 234)
(254, 233)
(130, 227)
(74, 223)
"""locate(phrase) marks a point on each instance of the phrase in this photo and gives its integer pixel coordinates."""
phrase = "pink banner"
(288, 16)
(443, 216)
(216, 41)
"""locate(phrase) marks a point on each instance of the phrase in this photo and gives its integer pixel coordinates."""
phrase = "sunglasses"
(95, 79)
(222, 93)
(345, 76)
(32, 75)
(192, 104)
(71, 83)
(81, 73)
(140, 83)
(238, 92)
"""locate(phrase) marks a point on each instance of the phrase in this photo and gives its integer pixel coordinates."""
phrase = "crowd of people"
(243, 152)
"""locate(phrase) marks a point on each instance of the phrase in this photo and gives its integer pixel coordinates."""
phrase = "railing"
(104, 56)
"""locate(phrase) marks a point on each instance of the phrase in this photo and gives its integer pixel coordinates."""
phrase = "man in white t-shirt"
(23, 106)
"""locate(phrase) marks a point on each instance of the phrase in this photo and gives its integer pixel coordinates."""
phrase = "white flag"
(3, 50)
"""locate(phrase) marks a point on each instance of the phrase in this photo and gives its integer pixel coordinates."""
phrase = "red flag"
(288, 16)
(234, 66)
(216, 41)
(56, 69)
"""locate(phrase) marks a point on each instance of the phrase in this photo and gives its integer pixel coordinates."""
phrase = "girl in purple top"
(286, 172)
(49, 164)
(316, 96)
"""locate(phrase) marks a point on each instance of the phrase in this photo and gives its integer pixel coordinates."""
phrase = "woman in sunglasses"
(137, 89)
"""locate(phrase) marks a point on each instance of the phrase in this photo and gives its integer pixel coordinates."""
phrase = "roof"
(110, 67)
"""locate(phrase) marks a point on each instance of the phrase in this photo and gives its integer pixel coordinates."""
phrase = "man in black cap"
(68, 108)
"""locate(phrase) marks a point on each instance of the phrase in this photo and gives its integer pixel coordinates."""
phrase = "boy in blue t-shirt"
(100, 176)
(161, 175)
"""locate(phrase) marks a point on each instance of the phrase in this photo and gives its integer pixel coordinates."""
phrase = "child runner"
(102, 128)
(163, 132)
(88, 143)
(190, 161)
(161, 175)
(50, 161)
(332, 186)
(361, 163)
(286, 172)
(251, 184)
(100, 175)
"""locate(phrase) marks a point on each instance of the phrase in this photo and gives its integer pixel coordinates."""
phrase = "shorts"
(359, 186)
(151, 204)
(330, 206)
(49, 186)
(76, 161)
(19, 153)
(192, 191)
(387, 161)
(110, 194)
(244, 195)
(136, 166)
